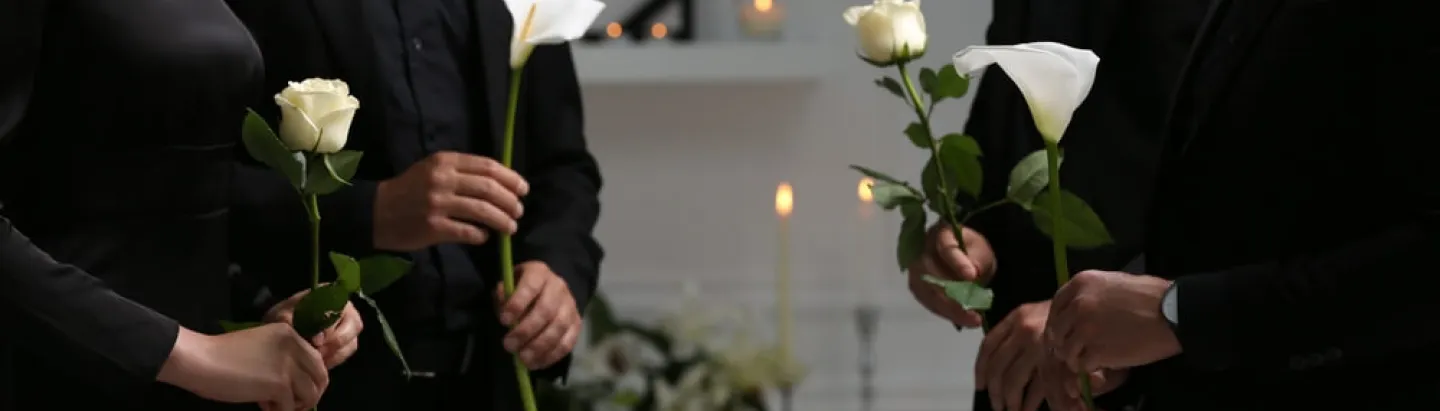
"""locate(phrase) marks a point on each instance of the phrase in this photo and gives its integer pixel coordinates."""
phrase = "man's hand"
(441, 199)
(544, 322)
(1010, 357)
(337, 343)
(269, 364)
(1061, 387)
(1107, 319)
(942, 258)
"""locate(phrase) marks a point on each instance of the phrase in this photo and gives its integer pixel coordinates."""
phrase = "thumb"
(957, 264)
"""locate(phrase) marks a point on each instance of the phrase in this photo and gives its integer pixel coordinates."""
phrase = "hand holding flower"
(337, 343)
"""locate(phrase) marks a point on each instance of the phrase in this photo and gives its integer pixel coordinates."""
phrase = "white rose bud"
(316, 115)
(890, 31)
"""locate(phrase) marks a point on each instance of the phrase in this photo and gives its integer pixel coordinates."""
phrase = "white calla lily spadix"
(540, 22)
(1053, 77)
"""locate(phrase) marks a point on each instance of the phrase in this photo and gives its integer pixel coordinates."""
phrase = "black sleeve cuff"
(1206, 326)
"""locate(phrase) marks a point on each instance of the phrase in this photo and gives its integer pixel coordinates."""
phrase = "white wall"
(691, 172)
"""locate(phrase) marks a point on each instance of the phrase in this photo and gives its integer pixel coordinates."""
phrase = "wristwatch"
(1169, 308)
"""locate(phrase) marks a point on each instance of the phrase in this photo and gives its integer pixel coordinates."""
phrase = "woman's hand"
(269, 364)
(337, 343)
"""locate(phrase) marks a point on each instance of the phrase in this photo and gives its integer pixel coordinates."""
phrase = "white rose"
(1053, 77)
(888, 29)
(315, 115)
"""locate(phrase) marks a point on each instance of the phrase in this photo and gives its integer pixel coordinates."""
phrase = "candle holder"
(867, 324)
(761, 19)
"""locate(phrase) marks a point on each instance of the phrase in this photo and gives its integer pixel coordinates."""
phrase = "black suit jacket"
(67, 301)
(326, 38)
(1298, 210)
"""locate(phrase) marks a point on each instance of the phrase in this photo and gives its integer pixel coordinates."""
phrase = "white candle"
(784, 205)
(864, 230)
(761, 18)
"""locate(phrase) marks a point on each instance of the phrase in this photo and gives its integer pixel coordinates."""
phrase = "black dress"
(121, 166)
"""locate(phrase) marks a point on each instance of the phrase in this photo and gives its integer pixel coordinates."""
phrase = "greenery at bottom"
(690, 362)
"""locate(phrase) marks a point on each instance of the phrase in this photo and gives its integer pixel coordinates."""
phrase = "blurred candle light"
(659, 30)
(863, 232)
(762, 19)
(614, 30)
(784, 205)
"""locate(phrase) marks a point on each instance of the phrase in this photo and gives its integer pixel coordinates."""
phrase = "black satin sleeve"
(67, 300)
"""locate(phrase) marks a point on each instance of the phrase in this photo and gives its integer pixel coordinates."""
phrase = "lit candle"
(784, 204)
(761, 18)
(864, 230)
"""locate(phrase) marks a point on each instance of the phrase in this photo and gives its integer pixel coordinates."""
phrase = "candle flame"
(784, 200)
(764, 5)
(864, 192)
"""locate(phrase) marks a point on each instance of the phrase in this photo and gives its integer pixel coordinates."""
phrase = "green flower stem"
(947, 203)
(507, 257)
(982, 209)
(1062, 259)
(312, 210)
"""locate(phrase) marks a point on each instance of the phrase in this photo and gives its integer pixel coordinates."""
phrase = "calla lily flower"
(1053, 77)
(540, 22)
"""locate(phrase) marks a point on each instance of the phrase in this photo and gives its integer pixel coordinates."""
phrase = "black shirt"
(428, 57)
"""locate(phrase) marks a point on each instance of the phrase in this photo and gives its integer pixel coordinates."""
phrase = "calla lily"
(1053, 77)
(540, 22)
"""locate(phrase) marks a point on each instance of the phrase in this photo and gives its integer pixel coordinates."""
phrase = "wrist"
(186, 358)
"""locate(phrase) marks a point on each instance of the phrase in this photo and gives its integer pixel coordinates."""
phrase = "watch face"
(1168, 306)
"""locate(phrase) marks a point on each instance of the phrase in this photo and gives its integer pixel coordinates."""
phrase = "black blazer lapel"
(1229, 36)
(493, 26)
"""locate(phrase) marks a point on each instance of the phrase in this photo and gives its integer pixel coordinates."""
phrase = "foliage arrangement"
(694, 360)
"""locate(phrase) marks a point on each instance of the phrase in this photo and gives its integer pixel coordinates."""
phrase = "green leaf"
(388, 332)
(319, 309)
(626, 399)
(231, 326)
(600, 319)
(919, 135)
(345, 163)
(264, 146)
(878, 176)
(961, 142)
(963, 171)
(971, 296)
(893, 85)
(950, 83)
(324, 179)
(379, 271)
(347, 271)
(891, 195)
(1079, 225)
(1029, 178)
(912, 235)
(928, 80)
